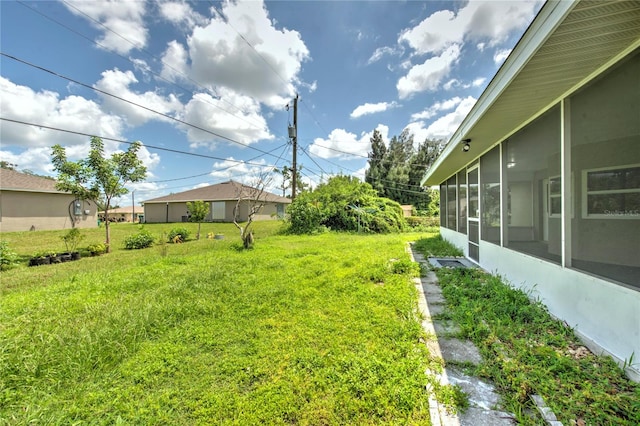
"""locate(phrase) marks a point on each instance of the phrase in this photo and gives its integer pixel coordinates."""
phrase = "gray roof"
(11, 180)
(225, 191)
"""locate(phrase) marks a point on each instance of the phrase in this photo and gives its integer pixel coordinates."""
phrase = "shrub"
(142, 239)
(97, 248)
(423, 222)
(344, 204)
(8, 257)
(178, 235)
(72, 238)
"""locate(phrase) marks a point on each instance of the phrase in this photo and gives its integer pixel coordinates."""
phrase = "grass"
(526, 351)
(299, 330)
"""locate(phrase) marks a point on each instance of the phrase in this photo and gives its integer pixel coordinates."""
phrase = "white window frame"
(586, 193)
(559, 195)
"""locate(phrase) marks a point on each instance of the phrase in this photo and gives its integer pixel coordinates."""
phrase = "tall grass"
(299, 330)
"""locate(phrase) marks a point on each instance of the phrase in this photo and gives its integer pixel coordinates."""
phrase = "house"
(541, 181)
(407, 210)
(29, 202)
(222, 199)
(123, 214)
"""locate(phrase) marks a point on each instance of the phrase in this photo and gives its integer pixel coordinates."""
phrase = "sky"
(207, 87)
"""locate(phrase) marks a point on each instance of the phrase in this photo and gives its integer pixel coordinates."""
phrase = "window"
(451, 203)
(218, 210)
(462, 201)
(490, 195)
(443, 205)
(555, 196)
(612, 193)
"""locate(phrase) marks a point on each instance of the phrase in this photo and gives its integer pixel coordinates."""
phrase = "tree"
(254, 199)
(287, 178)
(98, 178)
(377, 173)
(198, 210)
(344, 203)
(7, 165)
(395, 171)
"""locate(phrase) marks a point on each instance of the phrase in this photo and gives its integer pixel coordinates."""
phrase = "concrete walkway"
(442, 343)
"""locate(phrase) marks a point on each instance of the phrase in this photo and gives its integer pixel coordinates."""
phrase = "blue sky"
(204, 85)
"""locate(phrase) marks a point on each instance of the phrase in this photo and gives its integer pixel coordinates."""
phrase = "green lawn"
(299, 330)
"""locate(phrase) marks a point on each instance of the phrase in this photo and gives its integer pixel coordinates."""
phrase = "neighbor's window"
(612, 193)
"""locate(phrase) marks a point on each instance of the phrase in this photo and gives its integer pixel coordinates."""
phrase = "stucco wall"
(157, 212)
(24, 211)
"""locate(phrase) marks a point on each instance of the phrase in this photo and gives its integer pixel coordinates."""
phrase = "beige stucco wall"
(24, 211)
(157, 212)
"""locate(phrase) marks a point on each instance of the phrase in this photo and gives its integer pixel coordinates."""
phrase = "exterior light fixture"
(466, 147)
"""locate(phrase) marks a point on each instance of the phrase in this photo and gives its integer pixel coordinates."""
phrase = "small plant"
(178, 235)
(142, 239)
(8, 257)
(97, 249)
(71, 239)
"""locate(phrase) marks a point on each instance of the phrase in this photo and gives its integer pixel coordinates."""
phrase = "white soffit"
(567, 43)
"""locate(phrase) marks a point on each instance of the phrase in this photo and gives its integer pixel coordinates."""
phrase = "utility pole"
(294, 172)
(133, 206)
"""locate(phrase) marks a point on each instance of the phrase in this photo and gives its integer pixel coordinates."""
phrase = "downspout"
(167, 219)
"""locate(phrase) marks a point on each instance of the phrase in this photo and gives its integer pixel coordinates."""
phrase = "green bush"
(423, 222)
(142, 239)
(8, 257)
(178, 235)
(344, 203)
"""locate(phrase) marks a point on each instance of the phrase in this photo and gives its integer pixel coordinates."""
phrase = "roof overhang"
(567, 45)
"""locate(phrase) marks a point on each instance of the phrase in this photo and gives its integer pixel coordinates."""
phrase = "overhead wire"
(159, 148)
(196, 83)
(157, 75)
(132, 103)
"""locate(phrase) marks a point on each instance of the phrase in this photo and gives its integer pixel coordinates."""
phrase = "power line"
(159, 148)
(159, 76)
(131, 102)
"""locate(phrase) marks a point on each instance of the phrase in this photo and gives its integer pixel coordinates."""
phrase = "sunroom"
(541, 181)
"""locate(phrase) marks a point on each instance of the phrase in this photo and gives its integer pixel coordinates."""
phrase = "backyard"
(309, 330)
(298, 330)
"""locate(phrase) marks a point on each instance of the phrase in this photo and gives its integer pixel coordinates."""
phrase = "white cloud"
(478, 82)
(368, 108)
(443, 127)
(180, 13)
(46, 108)
(341, 143)
(118, 82)
(428, 75)
(174, 62)
(500, 56)
(121, 22)
(434, 109)
(381, 52)
(266, 70)
(245, 124)
(259, 172)
(486, 22)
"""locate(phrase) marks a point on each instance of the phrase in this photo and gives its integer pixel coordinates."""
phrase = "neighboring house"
(407, 210)
(124, 214)
(29, 202)
(547, 192)
(222, 199)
